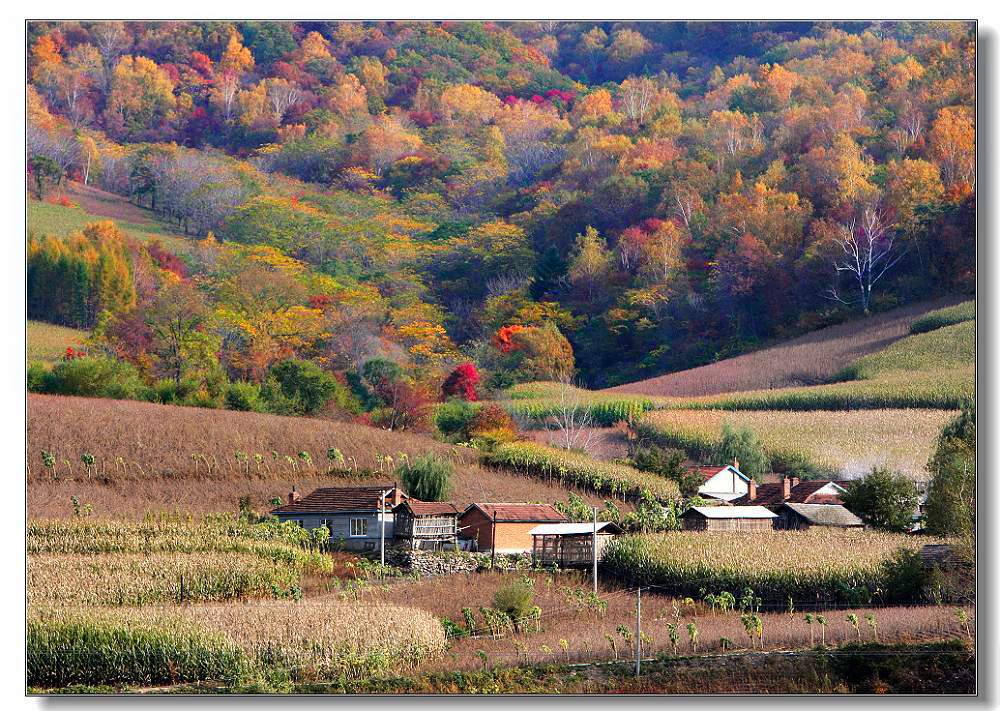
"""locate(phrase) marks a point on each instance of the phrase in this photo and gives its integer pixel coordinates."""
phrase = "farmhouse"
(505, 528)
(792, 490)
(725, 483)
(804, 516)
(728, 518)
(351, 513)
(426, 525)
(570, 545)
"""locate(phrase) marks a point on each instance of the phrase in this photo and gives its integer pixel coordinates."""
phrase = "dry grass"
(584, 630)
(850, 442)
(806, 360)
(144, 459)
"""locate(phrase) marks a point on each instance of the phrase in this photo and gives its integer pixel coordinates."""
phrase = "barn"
(505, 528)
(571, 545)
(728, 518)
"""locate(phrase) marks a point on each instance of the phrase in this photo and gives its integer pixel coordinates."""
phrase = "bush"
(427, 477)
(884, 499)
(462, 382)
(516, 599)
(951, 507)
(668, 463)
(453, 419)
(94, 376)
(245, 397)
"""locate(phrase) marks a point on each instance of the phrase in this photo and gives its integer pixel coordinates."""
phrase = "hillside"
(151, 457)
(47, 343)
(810, 359)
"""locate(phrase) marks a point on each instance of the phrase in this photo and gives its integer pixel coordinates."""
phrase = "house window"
(328, 522)
(359, 527)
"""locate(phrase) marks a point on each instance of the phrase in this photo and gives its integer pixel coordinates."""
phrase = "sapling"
(822, 628)
(674, 636)
(725, 643)
(88, 462)
(853, 620)
(809, 621)
(49, 461)
(564, 645)
(692, 629)
(963, 619)
(613, 642)
(870, 619)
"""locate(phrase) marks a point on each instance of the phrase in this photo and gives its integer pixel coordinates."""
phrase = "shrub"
(453, 419)
(245, 397)
(428, 477)
(516, 599)
(95, 376)
(884, 499)
(668, 463)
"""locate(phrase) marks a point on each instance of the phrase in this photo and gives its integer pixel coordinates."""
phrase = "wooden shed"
(799, 517)
(426, 525)
(505, 528)
(570, 545)
(728, 518)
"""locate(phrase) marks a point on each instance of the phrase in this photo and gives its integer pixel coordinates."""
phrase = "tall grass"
(579, 470)
(48, 342)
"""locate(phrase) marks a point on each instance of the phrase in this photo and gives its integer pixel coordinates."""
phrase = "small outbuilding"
(571, 545)
(800, 517)
(426, 525)
(728, 518)
(505, 528)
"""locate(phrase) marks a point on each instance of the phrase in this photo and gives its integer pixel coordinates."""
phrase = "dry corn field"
(849, 443)
(309, 638)
(153, 457)
(815, 566)
(143, 579)
(806, 360)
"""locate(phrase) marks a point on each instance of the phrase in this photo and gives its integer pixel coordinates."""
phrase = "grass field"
(162, 457)
(47, 342)
(847, 444)
(92, 205)
(806, 360)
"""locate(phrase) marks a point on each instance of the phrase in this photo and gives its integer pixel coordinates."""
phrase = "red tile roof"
(519, 513)
(429, 508)
(334, 499)
(802, 493)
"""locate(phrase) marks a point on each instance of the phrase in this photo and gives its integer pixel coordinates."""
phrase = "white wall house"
(726, 483)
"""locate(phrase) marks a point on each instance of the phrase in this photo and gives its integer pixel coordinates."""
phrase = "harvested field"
(585, 631)
(806, 360)
(144, 459)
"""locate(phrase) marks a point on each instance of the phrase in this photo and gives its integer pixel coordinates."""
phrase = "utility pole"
(595, 551)
(638, 630)
(493, 543)
(381, 518)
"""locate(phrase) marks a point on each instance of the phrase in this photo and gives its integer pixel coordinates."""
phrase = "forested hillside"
(354, 212)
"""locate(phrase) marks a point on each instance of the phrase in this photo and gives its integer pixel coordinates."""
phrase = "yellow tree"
(142, 94)
(953, 145)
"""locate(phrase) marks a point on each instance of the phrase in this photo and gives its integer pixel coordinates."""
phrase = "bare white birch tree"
(868, 242)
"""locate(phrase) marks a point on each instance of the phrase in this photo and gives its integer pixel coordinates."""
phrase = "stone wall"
(431, 563)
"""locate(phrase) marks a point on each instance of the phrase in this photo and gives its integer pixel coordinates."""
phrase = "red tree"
(462, 382)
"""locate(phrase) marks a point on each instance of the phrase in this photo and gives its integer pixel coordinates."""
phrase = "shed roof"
(338, 499)
(574, 529)
(518, 513)
(723, 512)
(707, 472)
(825, 514)
(428, 508)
